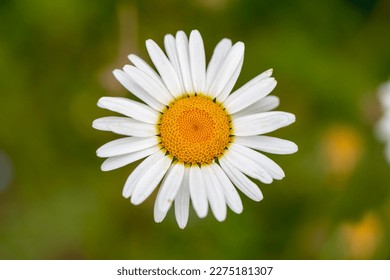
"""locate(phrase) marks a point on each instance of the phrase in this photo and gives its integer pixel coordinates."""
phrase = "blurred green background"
(57, 57)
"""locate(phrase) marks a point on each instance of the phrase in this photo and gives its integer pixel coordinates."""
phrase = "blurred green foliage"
(56, 61)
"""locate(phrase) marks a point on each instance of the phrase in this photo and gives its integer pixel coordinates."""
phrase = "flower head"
(199, 138)
(383, 126)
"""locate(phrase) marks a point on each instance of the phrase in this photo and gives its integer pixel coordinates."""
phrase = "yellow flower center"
(194, 130)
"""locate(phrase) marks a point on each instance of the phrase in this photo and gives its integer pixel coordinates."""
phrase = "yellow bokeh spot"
(194, 130)
(362, 239)
(342, 147)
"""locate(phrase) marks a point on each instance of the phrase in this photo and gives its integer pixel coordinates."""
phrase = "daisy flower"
(383, 126)
(200, 139)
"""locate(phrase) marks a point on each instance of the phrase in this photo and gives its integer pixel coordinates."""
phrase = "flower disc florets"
(194, 130)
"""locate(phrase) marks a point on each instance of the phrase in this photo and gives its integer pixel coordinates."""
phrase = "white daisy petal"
(230, 85)
(115, 162)
(384, 95)
(261, 123)
(104, 123)
(167, 192)
(165, 68)
(170, 47)
(215, 193)
(227, 70)
(125, 126)
(247, 95)
(198, 191)
(258, 78)
(383, 127)
(139, 171)
(248, 166)
(216, 61)
(197, 61)
(126, 145)
(227, 90)
(149, 181)
(146, 68)
(134, 128)
(150, 85)
(242, 182)
(138, 91)
(184, 60)
(269, 165)
(130, 108)
(265, 104)
(149, 71)
(170, 186)
(232, 197)
(158, 215)
(267, 144)
(261, 76)
(182, 200)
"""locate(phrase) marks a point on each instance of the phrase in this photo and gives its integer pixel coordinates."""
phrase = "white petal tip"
(257, 196)
(99, 153)
(168, 36)
(288, 119)
(203, 214)
(240, 45)
(220, 219)
(101, 102)
(125, 194)
(128, 68)
(104, 168)
(182, 225)
(195, 32)
(116, 72)
(268, 73)
(97, 124)
(294, 148)
(165, 206)
(131, 56)
(258, 199)
(136, 200)
(291, 117)
(226, 41)
(150, 43)
(267, 181)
